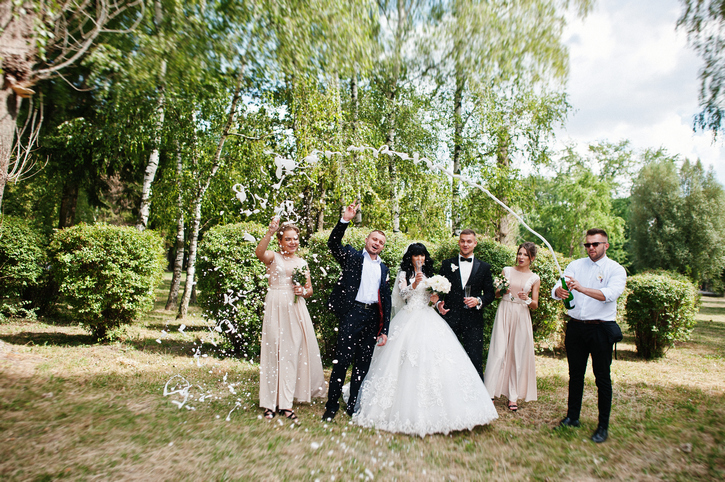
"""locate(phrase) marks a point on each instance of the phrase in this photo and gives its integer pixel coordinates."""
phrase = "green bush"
(107, 274)
(546, 319)
(23, 262)
(232, 284)
(325, 270)
(660, 310)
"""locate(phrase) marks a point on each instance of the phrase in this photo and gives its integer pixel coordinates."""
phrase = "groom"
(464, 314)
(361, 301)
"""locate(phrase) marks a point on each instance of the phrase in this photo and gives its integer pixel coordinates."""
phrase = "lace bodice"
(414, 298)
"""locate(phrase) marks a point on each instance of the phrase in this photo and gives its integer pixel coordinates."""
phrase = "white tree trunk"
(173, 300)
(201, 191)
(457, 148)
(191, 263)
(153, 164)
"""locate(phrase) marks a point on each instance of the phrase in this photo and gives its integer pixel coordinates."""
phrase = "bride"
(421, 382)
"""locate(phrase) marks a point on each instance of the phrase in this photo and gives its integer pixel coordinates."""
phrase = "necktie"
(468, 260)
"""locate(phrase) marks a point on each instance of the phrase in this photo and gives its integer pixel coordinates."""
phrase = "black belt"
(367, 306)
(588, 322)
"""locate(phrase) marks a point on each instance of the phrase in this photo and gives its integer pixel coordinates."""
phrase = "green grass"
(72, 409)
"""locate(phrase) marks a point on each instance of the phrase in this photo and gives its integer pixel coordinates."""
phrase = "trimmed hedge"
(23, 266)
(660, 310)
(107, 274)
(232, 284)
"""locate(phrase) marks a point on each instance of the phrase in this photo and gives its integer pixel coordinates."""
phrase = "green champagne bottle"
(568, 301)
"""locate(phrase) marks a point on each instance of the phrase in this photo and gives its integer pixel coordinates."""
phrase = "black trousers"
(471, 337)
(583, 339)
(356, 340)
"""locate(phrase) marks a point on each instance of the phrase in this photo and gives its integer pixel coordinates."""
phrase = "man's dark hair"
(468, 231)
(595, 231)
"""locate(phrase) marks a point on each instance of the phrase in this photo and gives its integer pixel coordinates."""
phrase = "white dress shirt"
(465, 268)
(370, 280)
(607, 276)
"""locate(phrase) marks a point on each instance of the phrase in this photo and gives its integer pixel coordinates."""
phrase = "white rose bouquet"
(439, 285)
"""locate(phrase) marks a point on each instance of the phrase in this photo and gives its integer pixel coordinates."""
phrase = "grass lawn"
(76, 410)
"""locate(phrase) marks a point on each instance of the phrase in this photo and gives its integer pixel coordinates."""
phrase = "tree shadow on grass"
(711, 310)
(175, 327)
(168, 346)
(52, 339)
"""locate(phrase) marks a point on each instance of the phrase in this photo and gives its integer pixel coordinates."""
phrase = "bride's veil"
(397, 301)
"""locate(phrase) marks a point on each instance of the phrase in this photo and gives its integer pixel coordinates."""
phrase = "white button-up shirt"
(465, 268)
(370, 281)
(607, 276)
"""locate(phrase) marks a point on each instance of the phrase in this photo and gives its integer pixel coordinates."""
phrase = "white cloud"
(633, 77)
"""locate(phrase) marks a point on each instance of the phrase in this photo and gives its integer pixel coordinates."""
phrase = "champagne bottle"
(567, 301)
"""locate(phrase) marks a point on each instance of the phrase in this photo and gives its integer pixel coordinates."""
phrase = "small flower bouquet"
(439, 285)
(299, 277)
(501, 284)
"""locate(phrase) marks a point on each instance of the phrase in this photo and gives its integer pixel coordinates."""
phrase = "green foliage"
(325, 271)
(233, 283)
(580, 197)
(23, 261)
(677, 219)
(107, 274)
(703, 21)
(660, 310)
(546, 319)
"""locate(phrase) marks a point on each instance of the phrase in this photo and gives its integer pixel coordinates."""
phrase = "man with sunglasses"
(596, 282)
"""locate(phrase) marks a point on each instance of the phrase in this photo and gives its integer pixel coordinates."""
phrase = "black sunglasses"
(589, 245)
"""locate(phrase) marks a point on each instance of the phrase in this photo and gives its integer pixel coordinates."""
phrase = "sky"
(632, 76)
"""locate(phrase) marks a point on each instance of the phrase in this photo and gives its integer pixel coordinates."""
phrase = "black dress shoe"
(567, 422)
(600, 435)
(328, 416)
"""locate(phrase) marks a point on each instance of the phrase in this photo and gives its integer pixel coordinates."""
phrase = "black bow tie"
(467, 260)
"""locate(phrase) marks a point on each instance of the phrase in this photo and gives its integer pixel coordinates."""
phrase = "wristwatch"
(480, 303)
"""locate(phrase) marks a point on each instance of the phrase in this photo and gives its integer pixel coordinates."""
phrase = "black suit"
(358, 327)
(467, 323)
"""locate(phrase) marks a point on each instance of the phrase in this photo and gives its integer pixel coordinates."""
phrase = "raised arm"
(261, 251)
(334, 242)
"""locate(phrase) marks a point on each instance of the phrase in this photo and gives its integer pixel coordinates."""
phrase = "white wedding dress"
(421, 381)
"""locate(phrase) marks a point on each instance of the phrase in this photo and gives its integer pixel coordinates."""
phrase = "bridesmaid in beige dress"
(510, 369)
(290, 365)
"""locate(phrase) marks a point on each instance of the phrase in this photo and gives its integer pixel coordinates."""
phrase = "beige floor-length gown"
(290, 365)
(511, 366)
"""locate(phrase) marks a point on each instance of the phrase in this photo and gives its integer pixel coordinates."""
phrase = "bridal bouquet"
(439, 285)
(299, 277)
(501, 284)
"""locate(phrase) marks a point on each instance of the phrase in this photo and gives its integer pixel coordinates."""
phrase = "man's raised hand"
(350, 211)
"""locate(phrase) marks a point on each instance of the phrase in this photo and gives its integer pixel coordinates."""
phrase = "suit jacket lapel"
(457, 272)
(474, 270)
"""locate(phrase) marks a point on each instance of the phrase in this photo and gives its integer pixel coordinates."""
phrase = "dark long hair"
(416, 249)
